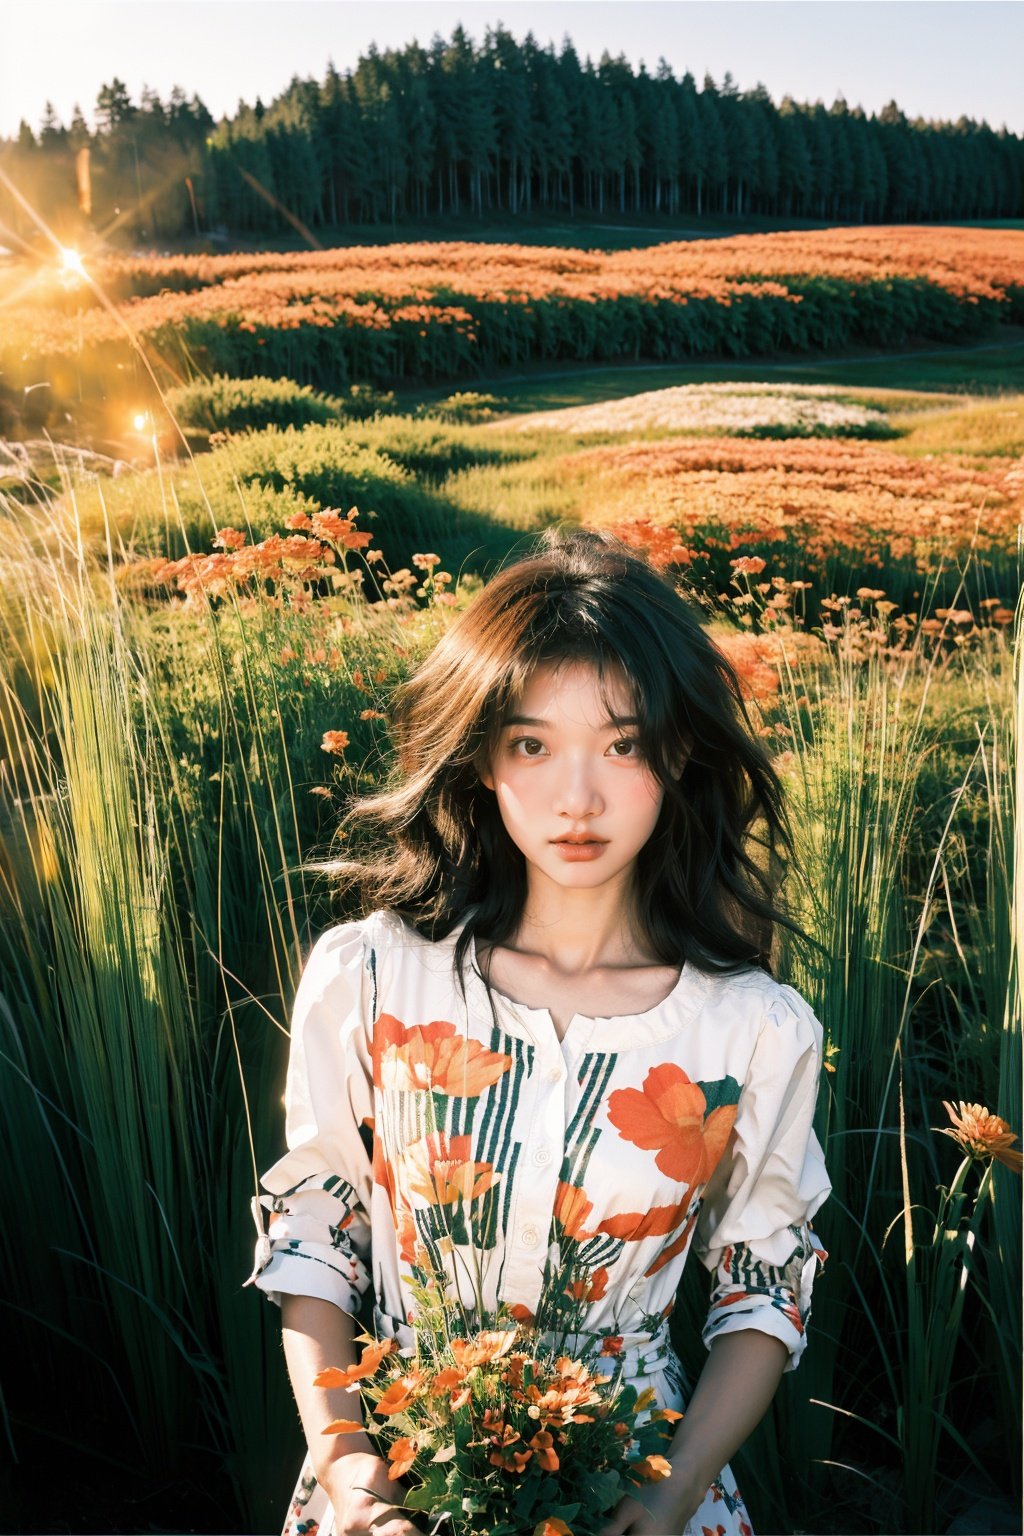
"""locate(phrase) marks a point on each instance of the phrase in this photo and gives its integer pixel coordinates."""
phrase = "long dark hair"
(436, 849)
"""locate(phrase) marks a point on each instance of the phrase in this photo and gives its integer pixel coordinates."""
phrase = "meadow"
(199, 639)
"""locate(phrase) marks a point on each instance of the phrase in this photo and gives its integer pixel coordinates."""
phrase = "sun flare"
(71, 261)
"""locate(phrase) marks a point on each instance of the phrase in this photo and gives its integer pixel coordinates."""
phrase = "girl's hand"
(364, 1497)
(662, 1509)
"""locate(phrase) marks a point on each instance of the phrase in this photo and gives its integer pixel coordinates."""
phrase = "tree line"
(506, 126)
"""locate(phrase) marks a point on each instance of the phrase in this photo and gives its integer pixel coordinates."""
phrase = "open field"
(199, 643)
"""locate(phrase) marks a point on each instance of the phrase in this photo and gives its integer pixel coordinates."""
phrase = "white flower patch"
(735, 408)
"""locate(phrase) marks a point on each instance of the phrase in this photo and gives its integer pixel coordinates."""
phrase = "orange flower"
(651, 1468)
(433, 1056)
(522, 1314)
(334, 741)
(544, 1445)
(402, 1455)
(612, 1345)
(571, 1210)
(552, 1527)
(487, 1346)
(369, 1360)
(343, 1427)
(440, 1169)
(981, 1134)
(446, 1380)
(668, 1116)
(400, 1394)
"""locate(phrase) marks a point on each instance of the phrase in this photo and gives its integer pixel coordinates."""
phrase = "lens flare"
(140, 421)
(71, 261)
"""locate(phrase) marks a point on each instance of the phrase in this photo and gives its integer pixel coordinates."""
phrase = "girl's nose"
(578, 792)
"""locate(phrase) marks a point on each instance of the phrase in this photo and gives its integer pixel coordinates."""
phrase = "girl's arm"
(733, 1391)
(316, 1334)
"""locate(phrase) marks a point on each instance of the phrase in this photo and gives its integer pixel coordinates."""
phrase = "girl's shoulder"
(387, 934)
(759, 999)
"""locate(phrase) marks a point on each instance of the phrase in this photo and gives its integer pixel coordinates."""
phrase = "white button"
(542, 1156)
(555, 1075)
(529, 1237)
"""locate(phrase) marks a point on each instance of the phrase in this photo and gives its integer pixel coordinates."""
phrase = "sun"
(71, 261)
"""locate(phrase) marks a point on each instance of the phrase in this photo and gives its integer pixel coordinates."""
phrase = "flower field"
(451, 309)
(198, 654)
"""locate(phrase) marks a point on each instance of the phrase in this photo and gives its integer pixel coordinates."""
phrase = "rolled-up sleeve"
(754, 1232)
(317, 1239)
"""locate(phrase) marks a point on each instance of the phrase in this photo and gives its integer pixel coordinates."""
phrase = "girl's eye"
(519, 741)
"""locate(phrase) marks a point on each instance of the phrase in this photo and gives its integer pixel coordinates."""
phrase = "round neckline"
(588, 1018)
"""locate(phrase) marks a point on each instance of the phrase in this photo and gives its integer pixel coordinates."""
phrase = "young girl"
(568, 938)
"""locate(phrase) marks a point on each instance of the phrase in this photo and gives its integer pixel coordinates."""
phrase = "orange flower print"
(589, 1290)
(634, 1226)
(667, 1118)
(432, 1056)
(571, 1210)
(440, 1169)
(675, 1246)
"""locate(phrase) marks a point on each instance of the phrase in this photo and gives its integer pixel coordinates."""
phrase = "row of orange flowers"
(420, 285)
(823, 496)
(977, 261)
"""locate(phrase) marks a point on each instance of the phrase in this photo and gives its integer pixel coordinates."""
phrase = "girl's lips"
(573, 851)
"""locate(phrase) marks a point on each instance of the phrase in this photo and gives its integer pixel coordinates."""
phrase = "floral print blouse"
(595, 1162)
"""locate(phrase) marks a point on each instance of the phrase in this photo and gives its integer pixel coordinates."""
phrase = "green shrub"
(225, 404)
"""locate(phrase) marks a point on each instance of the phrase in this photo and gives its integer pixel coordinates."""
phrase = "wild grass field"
(199, 637)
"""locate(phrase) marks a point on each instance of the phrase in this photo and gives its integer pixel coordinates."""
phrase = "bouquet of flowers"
(495, 1429)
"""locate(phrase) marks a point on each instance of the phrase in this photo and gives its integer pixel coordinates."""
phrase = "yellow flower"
(981, 1134)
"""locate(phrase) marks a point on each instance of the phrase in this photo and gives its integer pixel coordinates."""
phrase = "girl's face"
(563, 768)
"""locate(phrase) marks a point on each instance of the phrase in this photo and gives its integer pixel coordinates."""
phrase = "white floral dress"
(614, 1151)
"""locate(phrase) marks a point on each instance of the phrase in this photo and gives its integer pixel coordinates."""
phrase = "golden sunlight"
(71, 261)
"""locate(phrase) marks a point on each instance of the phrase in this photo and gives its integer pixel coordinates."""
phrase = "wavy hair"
(706, 882)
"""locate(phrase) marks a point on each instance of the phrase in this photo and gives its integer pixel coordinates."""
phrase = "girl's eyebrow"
(533, 720)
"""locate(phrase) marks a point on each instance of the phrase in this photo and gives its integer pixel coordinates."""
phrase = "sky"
(938, 58)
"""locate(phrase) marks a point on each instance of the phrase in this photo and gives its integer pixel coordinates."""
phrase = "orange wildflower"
(402, 1455)
(369, 1360)
(343, 1427)
(487, 1346)
(543, 1444)
(552, 1526)
(651, 1468)
(334, 741)
(981, 1134)
(667, 1117)
(446, 1380)
(401, 1393)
